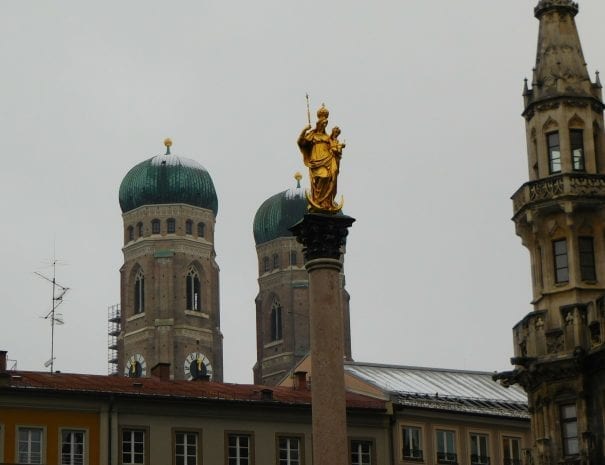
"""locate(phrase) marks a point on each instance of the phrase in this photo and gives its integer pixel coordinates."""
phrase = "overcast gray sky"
(428, 96)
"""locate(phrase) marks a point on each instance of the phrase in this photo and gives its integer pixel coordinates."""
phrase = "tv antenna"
(55, 318)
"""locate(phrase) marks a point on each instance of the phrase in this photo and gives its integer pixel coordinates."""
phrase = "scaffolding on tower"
(113, 331)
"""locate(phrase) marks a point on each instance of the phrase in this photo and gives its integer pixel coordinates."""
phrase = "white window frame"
(42, 430)
(511, 435)
(289, 449)
(185, 455)
(238, 457)
(403, 427)
(485, 454)
(360, 453)
(84, 431)
(446, 429)
(133, 430)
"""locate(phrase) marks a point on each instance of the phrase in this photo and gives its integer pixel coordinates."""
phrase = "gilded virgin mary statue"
(321, 154)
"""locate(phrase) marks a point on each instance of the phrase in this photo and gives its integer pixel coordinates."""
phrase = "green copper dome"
(168, 179)
(278, 213)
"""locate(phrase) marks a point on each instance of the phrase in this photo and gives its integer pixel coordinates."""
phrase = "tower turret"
(559, 350)
(282, 303)
(169, 281)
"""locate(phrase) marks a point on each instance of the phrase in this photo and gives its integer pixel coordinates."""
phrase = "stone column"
(323, 237)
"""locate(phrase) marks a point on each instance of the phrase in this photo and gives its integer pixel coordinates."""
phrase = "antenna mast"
(55, 318)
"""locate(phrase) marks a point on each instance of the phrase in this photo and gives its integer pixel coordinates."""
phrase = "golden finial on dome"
(298, 177)
(168, 144)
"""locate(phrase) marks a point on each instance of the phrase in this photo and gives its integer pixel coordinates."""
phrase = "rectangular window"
(479, 449)
(512, 450)
(587, 263)
(133, 446)
(576, 140)
(30, 445)
(569, 428)
(554, 152)
(361, 452)
(289, 451)
(561, 264)
(239, 449)
(72, 447)
(412, 443)
(186, 448)
(446, 447)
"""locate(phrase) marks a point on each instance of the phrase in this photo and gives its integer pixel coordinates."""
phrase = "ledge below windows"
(197, 314)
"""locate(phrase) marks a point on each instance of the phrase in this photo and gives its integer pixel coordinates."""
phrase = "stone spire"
(560, 66)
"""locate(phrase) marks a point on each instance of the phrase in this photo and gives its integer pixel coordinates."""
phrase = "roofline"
(418, 368)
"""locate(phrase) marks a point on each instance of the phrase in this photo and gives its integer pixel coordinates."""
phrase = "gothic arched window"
(171, 226)
(276, 320)
(139, 292)
(194, 295)
(155, 226)
(201, 230)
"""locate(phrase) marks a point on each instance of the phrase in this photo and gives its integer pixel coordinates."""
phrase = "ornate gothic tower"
(559, 215)
(169, 280)
(282, 303)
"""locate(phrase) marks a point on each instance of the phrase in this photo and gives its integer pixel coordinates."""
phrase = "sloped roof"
(82, 384)
(443, 389)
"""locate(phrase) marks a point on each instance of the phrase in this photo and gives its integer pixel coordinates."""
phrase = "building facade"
(559, 352)
(170, 311)
(282, 303)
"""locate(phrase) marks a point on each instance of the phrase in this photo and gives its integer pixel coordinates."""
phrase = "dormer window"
(576, 141)
(554, 152)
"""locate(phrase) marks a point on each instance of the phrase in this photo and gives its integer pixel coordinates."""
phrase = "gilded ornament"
(321, 154)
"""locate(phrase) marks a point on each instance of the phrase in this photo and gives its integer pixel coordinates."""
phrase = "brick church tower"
(170, 316)
(282, 303)
(559, 215)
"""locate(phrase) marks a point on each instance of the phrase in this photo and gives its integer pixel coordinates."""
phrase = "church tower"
(282, 303)
(170, 317)
(559, 215)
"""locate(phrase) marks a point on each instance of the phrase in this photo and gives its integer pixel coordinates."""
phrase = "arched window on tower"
(194, 295)
(155, 226)
(129, 234)
(139, 292)
(139, 230)
(201, 230)
(293, 258)
(275, 261)
(266, 265)
(276, 320)
(189, 227)
(171, 226)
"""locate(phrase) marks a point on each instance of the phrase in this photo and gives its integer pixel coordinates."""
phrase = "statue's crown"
(323, 112)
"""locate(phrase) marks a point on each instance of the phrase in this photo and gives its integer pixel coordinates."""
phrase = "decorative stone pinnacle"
(562, 5)
(168, 144)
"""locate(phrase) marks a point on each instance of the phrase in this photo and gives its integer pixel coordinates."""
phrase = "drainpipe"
(110, 432)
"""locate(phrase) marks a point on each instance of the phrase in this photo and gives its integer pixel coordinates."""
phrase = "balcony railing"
(560, 186)
(446, 457)
(479, 459)
(412, 454)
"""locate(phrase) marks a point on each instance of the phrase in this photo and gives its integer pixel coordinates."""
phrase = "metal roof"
(443, 389)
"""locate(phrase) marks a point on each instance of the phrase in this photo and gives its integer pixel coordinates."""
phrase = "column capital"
(321, 235)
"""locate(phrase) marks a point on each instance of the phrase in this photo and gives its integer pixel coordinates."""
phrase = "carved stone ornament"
(322, 235)
(554, 343)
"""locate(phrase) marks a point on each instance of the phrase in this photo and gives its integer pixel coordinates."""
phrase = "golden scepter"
(308, 110)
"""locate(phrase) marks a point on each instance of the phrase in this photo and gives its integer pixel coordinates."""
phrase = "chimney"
(161, 371)
(300, 380)
(4, 375)
(3, 361)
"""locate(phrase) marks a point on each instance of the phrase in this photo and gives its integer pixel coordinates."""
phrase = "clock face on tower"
(135, 366)
(197, 366)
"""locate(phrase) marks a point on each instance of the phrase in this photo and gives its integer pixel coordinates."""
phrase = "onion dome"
(168, 178)
(280, 212)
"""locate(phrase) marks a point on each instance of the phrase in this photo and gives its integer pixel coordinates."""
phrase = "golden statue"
(321, 154)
